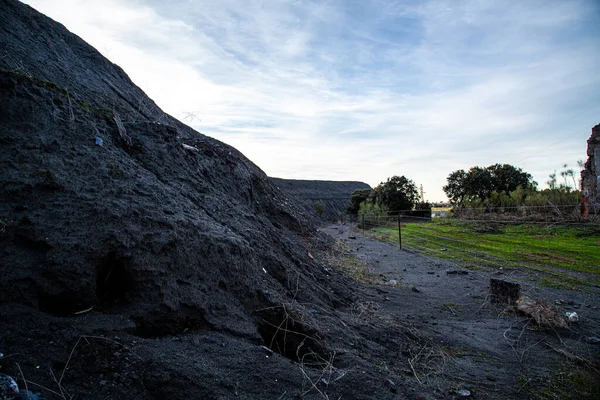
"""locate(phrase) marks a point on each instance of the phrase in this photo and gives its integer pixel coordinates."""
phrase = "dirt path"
(475, 345)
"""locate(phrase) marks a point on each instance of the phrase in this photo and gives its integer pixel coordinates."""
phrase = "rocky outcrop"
(333, 195)
(590, 176)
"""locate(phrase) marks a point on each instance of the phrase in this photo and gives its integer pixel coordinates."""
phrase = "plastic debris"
(188, 147)
(393, 282)
(312, 311)
(99, 141)
(264, 270)
(268, 350)
(464, 393)
(392, 385)
(310, 256)
(572, 316)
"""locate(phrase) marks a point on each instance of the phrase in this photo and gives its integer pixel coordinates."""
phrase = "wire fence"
(566, 251)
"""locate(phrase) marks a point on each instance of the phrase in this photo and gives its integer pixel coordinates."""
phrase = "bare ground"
(472, 344)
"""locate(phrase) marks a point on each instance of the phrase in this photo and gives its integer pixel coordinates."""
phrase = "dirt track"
(474, 345)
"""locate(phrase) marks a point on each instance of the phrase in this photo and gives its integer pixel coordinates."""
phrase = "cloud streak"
(363, 90)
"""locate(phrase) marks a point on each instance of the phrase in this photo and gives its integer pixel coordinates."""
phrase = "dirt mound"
(333, 195)
(157, 218)
(142, 259)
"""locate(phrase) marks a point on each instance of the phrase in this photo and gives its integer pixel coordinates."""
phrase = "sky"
(364, 90)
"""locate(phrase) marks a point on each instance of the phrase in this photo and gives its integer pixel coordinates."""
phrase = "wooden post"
(399, 232)
(363, 223)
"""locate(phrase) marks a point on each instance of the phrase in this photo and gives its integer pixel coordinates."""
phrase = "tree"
(480, 183)
(356, 198)
(398, 193)
(455, 189)
(507, 178)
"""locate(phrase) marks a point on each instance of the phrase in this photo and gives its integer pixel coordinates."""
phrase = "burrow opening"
(292, 339)
(113, 280)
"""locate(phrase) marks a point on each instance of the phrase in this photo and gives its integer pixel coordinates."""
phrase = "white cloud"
(363, 91)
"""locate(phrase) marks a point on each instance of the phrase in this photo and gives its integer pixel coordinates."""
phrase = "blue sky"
(364, 90)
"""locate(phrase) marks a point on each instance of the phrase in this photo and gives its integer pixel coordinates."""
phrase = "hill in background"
(334, 195)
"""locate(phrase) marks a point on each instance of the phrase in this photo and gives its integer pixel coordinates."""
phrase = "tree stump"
(504, 292)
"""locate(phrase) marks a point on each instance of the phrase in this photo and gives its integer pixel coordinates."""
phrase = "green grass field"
(569, 254)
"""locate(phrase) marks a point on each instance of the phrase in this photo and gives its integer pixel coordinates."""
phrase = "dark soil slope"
(141, 259)
(334, 195)
(159, 218)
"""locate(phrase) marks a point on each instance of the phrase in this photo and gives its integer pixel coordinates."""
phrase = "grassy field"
(569, 254)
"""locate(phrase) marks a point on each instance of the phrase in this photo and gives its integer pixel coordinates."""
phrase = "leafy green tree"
(396, 194)
(456, 189)
(506, 178)
(480, 183)
(356, 198)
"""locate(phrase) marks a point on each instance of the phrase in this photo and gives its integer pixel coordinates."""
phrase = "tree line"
(503, 186)
(491, 188)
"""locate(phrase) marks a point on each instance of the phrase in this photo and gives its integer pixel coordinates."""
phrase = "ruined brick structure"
(590, 176)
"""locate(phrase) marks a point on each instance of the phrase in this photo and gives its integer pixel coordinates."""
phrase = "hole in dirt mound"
(113, 281)
(170, 323)
(61, 304)
(293, 340)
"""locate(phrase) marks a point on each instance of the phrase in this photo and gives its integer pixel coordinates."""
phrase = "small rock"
(456, 272)
(414, 289)
(8, 387)
(351, 237)
(431, 272)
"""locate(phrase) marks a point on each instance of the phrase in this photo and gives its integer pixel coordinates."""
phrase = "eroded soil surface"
(473, 344)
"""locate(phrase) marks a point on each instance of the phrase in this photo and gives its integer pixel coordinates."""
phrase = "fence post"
(399, 232)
